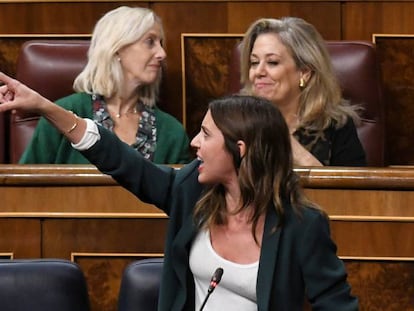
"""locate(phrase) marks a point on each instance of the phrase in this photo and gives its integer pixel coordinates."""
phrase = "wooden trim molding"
(75, 255)
(391, 259)
(6, 255)
(311, 177)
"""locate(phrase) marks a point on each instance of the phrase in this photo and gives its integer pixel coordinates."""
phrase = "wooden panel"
(103, 273)
(372, 220)
(178, 18)
(21, 238)
(54, 17)
(205, 73)
(362, 19)
(367, 203)
(38, 189)
(71, 199)
(395, 55)
(373, 238)
(62, 237)
(377, 286)
(103, 247)
(325, 16)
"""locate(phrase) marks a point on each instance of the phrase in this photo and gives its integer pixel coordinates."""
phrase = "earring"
(301, 83)
(118, 59)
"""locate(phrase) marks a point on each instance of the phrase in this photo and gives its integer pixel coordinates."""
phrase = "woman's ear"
(306, 74)
(242, 148)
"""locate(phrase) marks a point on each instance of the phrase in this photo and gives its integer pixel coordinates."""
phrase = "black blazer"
(296, 261)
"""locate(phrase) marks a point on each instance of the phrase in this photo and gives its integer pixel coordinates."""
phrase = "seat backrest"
(42, 285)
(49, 67)
(357, 69)
(140, 285)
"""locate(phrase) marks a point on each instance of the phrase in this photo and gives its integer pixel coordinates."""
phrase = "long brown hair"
(265, 173)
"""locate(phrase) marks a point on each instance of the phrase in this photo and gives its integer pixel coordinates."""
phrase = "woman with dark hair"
(238, 206)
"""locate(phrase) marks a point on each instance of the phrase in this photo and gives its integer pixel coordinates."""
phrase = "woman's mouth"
(200, 164)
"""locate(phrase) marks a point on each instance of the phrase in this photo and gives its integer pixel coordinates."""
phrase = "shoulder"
(165, 119)
(80, 103)
(348, 124)
(306, 218)
(188, 172)
(347, 130)
(311, 214)
(170, 129)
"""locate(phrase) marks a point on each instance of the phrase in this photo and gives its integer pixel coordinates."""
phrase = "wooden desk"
(75, 212)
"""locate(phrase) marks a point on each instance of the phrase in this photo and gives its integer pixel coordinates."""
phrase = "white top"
(237, 289)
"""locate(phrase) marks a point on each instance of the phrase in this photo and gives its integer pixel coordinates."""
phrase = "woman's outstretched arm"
(16, 96)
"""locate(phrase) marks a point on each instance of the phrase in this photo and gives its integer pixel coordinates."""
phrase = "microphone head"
(215, 279)
(217, 275)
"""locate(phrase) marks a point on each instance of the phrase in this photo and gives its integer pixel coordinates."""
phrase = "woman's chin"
(202, 179)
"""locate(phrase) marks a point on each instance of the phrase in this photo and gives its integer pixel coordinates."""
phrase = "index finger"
(4, 79)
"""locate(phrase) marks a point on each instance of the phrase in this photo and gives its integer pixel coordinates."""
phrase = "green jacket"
(296, 261)
(49, 146)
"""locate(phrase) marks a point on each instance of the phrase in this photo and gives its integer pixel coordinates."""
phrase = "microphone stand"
(205, 300)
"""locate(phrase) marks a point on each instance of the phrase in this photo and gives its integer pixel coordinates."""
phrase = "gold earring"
(301, 83)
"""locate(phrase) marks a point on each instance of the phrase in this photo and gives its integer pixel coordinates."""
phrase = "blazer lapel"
(268, 257)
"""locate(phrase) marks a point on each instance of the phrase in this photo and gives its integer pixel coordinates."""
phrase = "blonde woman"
(118, 89)
(286, 61)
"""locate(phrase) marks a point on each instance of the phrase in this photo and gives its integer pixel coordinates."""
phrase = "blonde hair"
(115, 30)
(321, 100)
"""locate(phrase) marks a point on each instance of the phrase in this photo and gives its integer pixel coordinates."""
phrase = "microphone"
(215, 280)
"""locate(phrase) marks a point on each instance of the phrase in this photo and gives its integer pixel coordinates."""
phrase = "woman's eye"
(204, 133)
(272, 62)
(150, 41)
(254, 63)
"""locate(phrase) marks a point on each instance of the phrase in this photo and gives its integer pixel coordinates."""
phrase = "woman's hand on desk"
(301, 156)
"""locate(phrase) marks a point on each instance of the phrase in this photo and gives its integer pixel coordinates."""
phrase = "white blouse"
(237, 289)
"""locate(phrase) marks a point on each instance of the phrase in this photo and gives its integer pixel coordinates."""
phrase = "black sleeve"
(149, 182)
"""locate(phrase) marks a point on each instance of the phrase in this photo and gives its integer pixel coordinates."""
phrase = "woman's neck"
(290, 114)
(119, 105)
(233, 205)
(232, 194)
